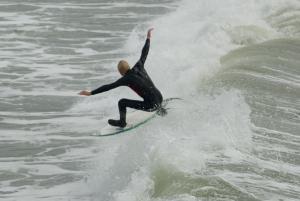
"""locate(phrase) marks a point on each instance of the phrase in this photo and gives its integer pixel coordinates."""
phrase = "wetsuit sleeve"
(145, 51)
(107, 87)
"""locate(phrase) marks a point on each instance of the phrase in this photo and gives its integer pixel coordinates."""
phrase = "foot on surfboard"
(117, 123)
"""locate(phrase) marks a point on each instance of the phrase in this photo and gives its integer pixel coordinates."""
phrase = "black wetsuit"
(139, 81)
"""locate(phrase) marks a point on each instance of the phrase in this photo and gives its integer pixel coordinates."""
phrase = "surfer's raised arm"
(146, 47)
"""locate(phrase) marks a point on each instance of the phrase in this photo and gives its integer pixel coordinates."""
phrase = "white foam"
(185, 51)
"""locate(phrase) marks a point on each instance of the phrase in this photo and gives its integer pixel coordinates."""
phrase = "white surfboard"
(134, 119)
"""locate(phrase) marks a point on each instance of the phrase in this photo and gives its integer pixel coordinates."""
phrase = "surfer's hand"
(85, 93)
(149, 33)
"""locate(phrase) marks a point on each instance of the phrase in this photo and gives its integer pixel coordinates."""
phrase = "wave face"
(234, 136)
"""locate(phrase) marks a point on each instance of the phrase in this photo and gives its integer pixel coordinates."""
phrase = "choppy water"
(235, 136)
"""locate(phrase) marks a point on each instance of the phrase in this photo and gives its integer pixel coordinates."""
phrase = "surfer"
(139, 81)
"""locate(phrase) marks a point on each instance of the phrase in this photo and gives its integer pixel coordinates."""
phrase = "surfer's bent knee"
(122, 101)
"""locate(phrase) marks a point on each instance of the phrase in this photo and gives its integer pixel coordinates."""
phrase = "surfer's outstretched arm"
(106, 87)
(146, 47)
(103, 88)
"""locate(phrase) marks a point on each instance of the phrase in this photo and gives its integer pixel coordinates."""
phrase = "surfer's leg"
(122, 110)
(123, 104)
(135, 104)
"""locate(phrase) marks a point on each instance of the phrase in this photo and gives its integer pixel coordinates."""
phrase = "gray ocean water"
(235, 135)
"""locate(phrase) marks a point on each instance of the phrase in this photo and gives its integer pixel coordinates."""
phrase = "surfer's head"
(123, 67)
